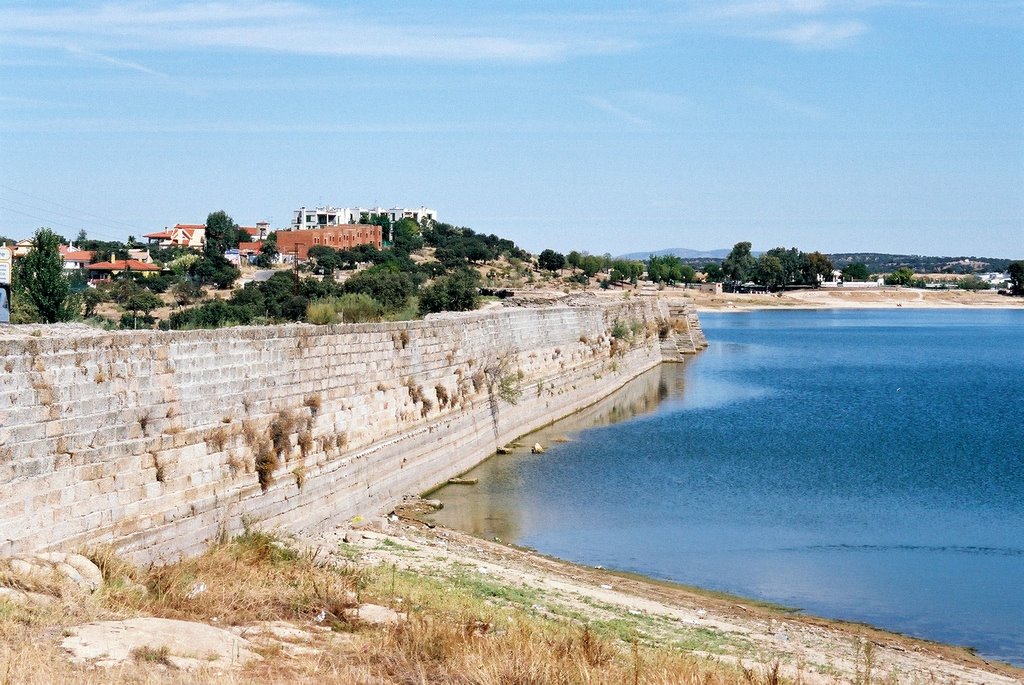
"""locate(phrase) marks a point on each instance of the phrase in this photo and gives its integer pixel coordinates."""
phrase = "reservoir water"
(861, 465)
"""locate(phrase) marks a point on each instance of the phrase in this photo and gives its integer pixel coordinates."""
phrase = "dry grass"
(453, 635)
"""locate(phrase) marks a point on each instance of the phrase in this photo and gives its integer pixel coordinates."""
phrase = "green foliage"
(770, 271)
(740, 264)
(713, 272)
(39, 276)
(550, 260)
(268, 252)
(222, 234)
(186, 292)
(1016, 270)
(816, 268)
(93, 297)
(348, 308)
(972, 282)
(620, 330)
(459, 291)
(669, 269)
(388, 286)
(856, 271)
(901, 276)
(215, 270)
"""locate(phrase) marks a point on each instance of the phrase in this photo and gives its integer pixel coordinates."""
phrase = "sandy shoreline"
(880, 298)
(707, 624)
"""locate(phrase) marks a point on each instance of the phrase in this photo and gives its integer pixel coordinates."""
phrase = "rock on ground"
(182, 644)
(54, 573)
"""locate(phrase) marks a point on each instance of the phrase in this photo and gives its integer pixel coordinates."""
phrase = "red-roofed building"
(296, 244)
(104, 271)
(182, 235)
(75, 260)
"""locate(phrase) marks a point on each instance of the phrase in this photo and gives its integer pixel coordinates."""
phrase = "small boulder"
(55, 573)
(537, 448)
(375, 615)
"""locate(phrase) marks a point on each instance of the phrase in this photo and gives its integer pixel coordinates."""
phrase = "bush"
(456, 292)
(349, 308)
(391, 288)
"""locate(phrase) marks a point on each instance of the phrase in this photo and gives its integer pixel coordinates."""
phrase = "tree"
(456, 292)
(221, 234)
(93, 297)
(817, 268)
(268, 252)
(740, 264)
(1016, 270)
(770, 271)
(857, 271)
(39, 275)
(901, 276)
(713, 272)
(389, 287)
(325, 258)
(551, 260)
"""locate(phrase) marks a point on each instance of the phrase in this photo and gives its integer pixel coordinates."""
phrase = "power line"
(73, 209)
(53, 213)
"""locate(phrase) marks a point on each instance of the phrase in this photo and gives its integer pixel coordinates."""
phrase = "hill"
(681, 252)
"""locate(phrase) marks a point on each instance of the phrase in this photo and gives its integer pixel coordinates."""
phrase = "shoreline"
(710, 625)
(853, 299)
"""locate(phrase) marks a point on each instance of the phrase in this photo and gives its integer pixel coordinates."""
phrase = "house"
(304, 219)
(75, 260)
(181, 235)
(296, 244)
(105, 271)
(22, 248)
(140, 255)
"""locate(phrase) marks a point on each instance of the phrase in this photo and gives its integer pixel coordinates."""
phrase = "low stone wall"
(159, 442)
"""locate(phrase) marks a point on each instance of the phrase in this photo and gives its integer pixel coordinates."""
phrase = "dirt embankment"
(716, 626)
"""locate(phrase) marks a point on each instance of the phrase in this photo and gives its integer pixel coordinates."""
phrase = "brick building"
(343, 237)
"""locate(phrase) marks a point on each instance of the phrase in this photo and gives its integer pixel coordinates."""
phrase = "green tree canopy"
(456, 292)
(221, 234)
(857, 271)
(740, 264)
(1016, 270)
(901, 276)
(40, 277)
(551, 260)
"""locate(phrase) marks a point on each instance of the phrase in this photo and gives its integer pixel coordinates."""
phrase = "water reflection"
(487, 510)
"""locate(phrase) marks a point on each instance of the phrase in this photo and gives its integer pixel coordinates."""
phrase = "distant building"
(105, 271)
(305, 219)
(182, 235)
(295, 244)
(75, 260)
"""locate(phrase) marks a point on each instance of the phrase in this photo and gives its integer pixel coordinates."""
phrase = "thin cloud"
(777, 100)
(291, 28)
(123, 63)
(818, 35)
(606, 106)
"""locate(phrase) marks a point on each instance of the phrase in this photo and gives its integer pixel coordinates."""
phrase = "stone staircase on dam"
(685, 336)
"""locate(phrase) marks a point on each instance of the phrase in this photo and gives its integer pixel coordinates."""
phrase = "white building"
(305, 219)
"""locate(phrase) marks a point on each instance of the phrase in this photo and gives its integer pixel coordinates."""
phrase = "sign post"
(6, 264)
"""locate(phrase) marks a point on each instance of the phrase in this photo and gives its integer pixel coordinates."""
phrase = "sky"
(832, 125)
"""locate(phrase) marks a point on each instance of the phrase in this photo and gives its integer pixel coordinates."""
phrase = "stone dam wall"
(161, 442)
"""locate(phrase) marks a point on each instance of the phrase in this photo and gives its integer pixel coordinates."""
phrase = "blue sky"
(837, 125)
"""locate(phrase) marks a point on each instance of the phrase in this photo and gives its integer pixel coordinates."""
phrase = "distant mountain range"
(681, 252)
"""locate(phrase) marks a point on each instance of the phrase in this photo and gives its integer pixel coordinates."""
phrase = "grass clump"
(347, 308)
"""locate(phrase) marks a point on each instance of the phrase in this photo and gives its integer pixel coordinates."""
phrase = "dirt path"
(809, 649)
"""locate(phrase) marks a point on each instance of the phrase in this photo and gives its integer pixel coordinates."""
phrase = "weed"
(266, 461)
(313, 403)
(619, 330)
(442, 395)
(250, 433)
(218, 439)
(281, 429)
(305, 443)
(300, 475)
(341, 440)
(153, 655)
(9, 365)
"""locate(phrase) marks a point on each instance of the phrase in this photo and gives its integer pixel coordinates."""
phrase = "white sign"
(6, 259)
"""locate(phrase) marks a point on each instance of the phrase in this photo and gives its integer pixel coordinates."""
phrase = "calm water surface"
(863, 465)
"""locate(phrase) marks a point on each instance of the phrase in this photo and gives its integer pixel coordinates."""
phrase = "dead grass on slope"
(453, 634)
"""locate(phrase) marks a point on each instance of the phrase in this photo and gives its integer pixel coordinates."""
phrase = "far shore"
(873, 298)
